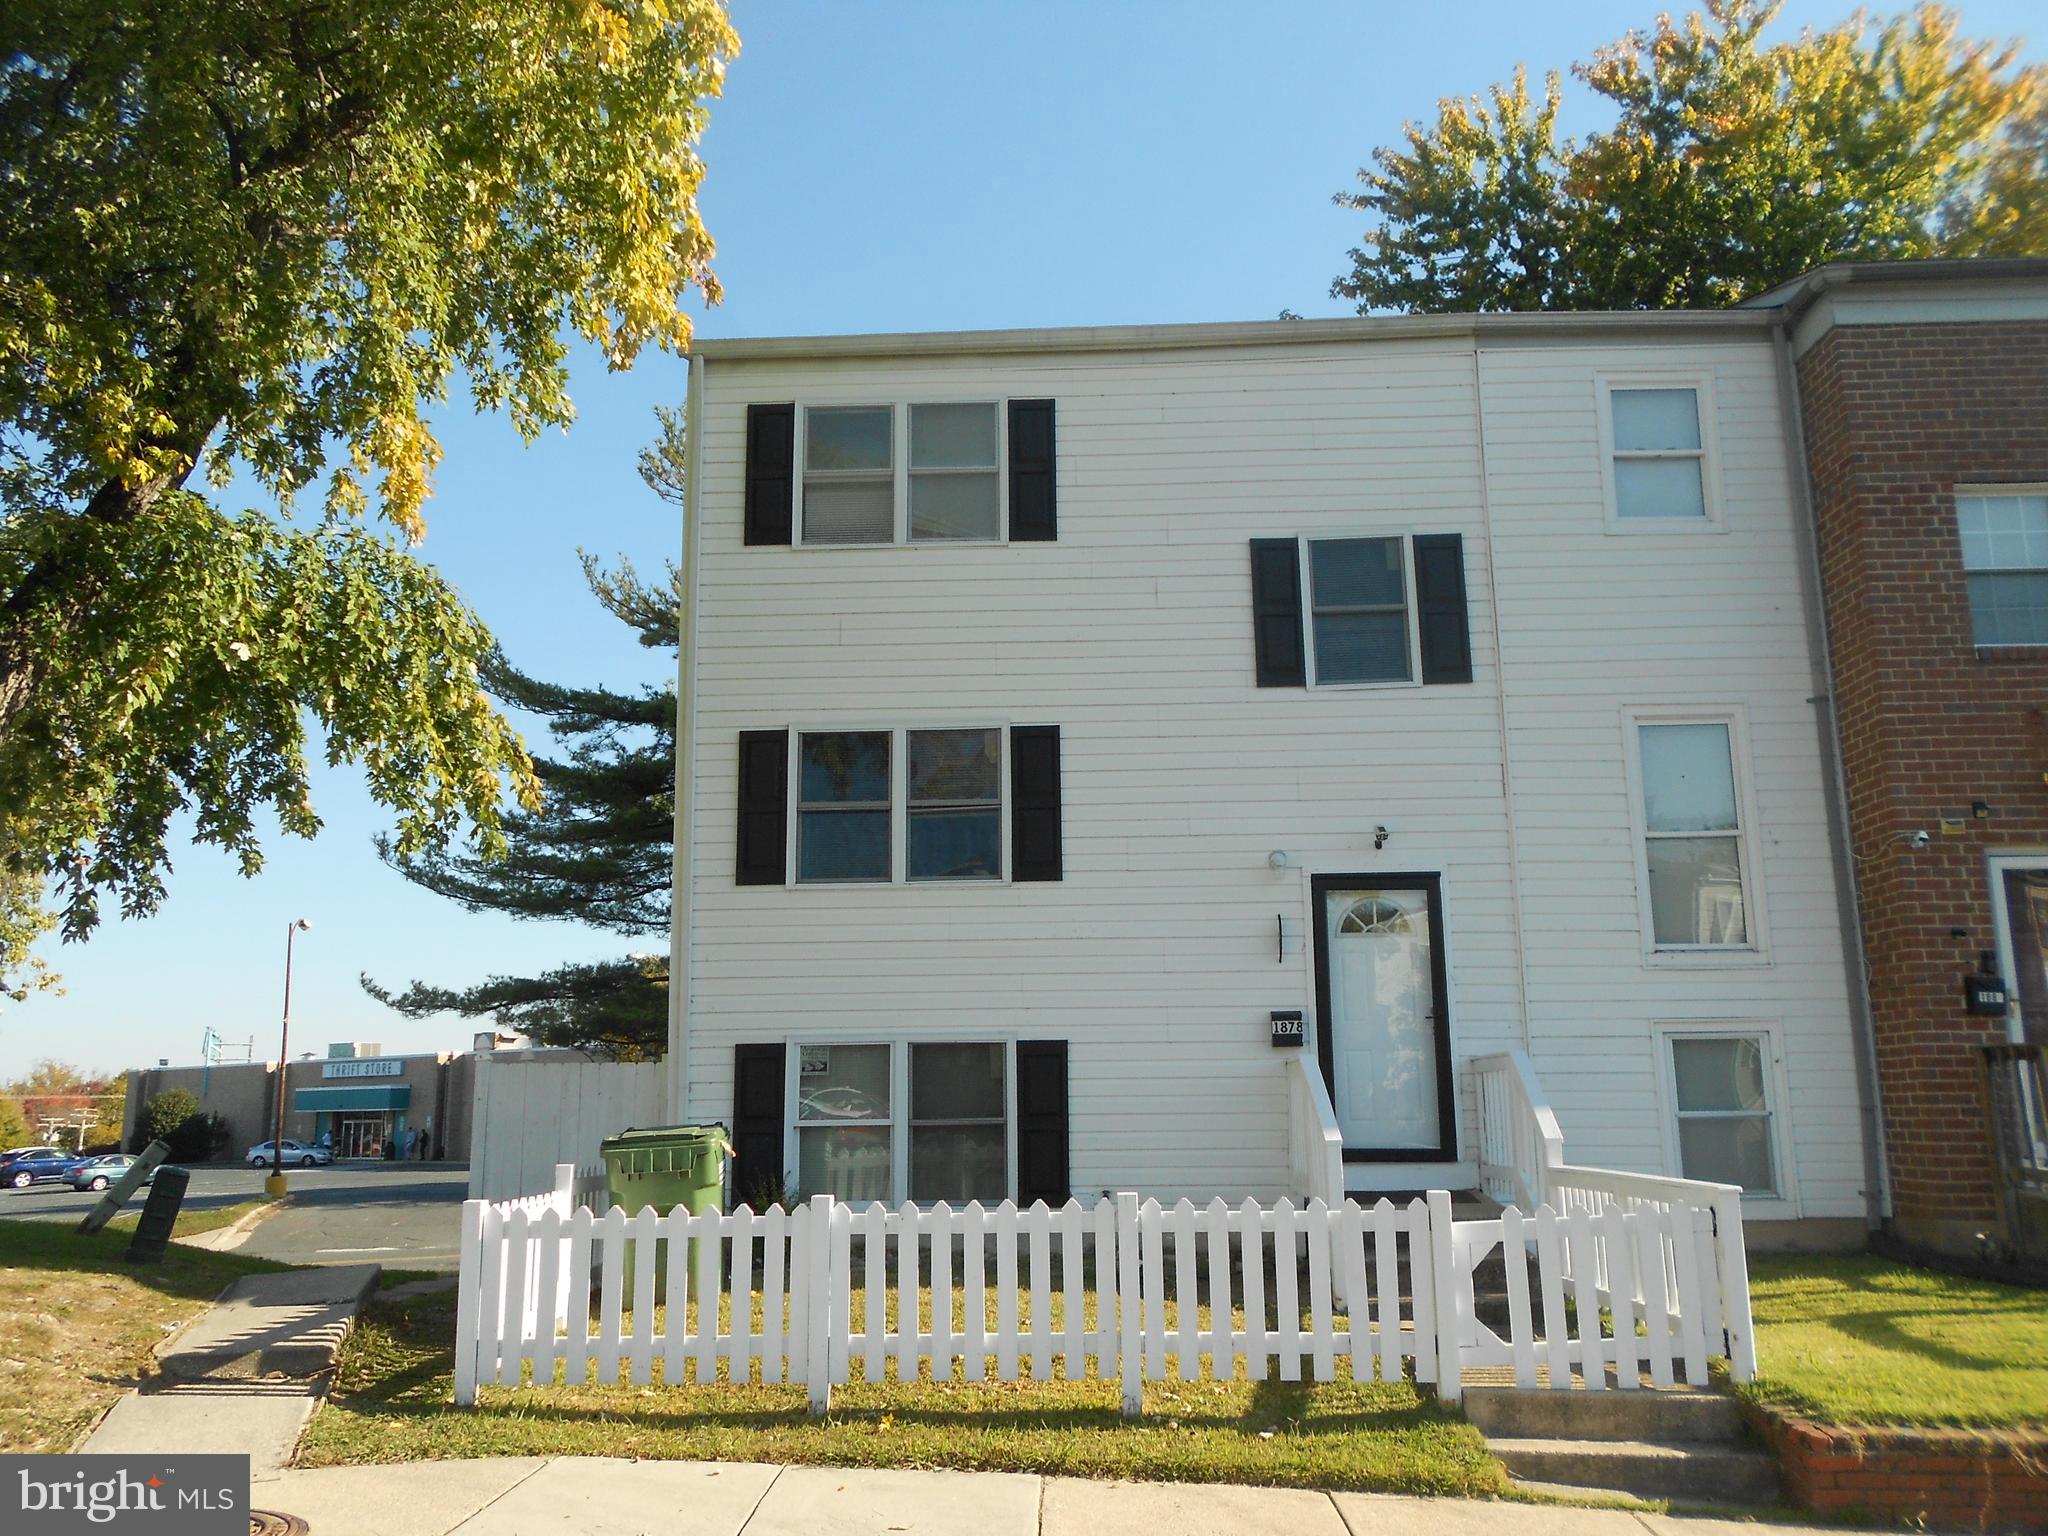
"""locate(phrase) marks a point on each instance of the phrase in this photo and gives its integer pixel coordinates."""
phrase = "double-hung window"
(1692, 835)
(955, 474)
(1660, 473)
(843, 806)
(849, 474)
(858, 489)
(955, 805)
(959, 1122)
(845, 1122)
(904, 1119)
(2005, 563)
(948, 794)
(1720, 1089)
(1359, 610)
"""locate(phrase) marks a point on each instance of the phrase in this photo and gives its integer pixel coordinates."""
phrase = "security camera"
(1918, 839)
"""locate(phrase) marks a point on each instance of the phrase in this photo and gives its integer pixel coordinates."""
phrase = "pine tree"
(598, 850)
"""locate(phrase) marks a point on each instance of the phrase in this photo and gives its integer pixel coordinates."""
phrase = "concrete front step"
(1690, 1472)
(1672, 1416)
(290, 1323)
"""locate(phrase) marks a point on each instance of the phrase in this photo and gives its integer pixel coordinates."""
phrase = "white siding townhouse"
(1067, 713)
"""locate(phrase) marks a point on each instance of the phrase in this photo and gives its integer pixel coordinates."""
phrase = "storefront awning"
(383, 1096)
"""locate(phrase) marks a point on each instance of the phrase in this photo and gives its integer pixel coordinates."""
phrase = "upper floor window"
(1693, 836)
(842, 806)
(1359, 605)
(955, 474)
(1331, 612)
(1660, 471)
(849, 478)
(952, 803)
(944, 472)
(2005, 561)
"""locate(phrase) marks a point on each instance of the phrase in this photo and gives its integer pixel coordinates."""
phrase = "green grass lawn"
(392, 1402)
(1860, 1340)
(78, 1322)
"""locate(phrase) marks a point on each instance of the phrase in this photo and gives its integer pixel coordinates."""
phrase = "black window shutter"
(1033, 515)
(1276, 613)
(762, 857)
(1035, 802)
(771, 467)
(1440, 599)
(757, 1078)
(1042, 1122)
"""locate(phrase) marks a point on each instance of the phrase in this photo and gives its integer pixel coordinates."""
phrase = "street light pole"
(274, 1186)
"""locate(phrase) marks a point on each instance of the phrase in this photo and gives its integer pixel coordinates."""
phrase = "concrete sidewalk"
(587, 1496)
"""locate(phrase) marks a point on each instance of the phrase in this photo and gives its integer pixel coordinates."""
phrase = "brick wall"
(1947, 1479)
(1895, 417)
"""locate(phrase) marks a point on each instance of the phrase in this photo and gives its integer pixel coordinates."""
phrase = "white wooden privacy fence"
(826, 1293)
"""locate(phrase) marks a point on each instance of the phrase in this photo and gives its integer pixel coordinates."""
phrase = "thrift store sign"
(124, 1495)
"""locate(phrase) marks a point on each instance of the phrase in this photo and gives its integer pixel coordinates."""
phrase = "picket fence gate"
(785, 1295)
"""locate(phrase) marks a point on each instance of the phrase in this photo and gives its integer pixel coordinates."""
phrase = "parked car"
(36, 1165)
(296, 1153)
(99, 1172)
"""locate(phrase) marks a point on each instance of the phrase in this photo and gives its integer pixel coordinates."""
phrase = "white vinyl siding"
(1155, 955)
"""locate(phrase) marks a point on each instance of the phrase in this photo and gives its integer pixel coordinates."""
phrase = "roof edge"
(1238, 333)
(1795, 297)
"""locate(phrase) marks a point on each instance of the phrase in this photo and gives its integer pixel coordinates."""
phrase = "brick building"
(1923, 399)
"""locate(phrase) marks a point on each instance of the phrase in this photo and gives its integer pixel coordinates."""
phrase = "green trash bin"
(664, 1166)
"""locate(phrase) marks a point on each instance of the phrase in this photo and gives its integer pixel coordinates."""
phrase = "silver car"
(297, 1154)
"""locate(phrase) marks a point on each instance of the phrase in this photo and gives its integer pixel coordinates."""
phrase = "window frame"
(1701, 383)
(899, 408)
(795, 1125)
(1985, 490)
(899, 804)
(899, 1045)
(1784, 1202)
(798, 806)
(1756, 951)
(1405, 538)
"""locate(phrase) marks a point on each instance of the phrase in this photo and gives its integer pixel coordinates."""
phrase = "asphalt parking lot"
(400, 1215)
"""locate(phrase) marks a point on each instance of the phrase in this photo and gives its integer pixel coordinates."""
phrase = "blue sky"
(872, 167)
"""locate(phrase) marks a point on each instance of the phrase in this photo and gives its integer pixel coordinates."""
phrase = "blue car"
(36, 1165)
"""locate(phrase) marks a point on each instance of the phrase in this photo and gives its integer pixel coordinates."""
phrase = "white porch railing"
(1315, 1144)
(1519, 1138)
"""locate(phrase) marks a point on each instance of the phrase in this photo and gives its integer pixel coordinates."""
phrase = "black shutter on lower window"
(762, 855)
(757, 1123)
(1035, 803)
(1042, 1172)
(1441, 609)
(1276, 613)
(1033, 472)
(771, 470)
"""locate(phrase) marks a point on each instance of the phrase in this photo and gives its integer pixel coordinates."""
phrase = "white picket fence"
(1115, 1290)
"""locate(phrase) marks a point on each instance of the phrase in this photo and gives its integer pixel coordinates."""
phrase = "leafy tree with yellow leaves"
(269, 234)
(1732, 164)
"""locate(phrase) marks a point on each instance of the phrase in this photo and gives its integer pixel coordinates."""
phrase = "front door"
(1384, 1031)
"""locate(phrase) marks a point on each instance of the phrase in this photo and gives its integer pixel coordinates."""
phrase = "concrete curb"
(227, 1239)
